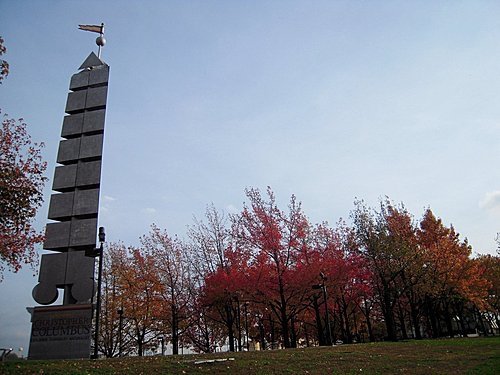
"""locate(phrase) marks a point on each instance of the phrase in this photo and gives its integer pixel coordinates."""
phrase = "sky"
(327, 100)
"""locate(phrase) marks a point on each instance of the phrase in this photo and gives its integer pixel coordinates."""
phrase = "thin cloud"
(491, 201)
(149, 210)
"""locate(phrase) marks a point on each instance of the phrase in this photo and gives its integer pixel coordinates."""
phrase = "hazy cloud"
(491, 201)
(149, 210)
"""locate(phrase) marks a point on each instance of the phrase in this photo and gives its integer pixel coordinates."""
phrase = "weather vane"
(100, 41)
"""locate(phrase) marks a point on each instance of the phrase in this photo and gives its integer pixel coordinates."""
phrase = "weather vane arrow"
(100, 41)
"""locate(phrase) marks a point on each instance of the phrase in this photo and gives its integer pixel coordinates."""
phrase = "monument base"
(61, 332)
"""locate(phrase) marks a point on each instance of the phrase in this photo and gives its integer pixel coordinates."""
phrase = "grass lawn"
(448, 356)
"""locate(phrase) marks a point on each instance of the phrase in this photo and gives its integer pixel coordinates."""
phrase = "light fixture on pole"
(322, 286)
(98, 252)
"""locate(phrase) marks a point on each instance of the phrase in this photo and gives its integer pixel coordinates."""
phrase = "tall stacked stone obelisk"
(64, 330)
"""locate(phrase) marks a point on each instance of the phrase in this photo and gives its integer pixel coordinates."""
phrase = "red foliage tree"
(21, 194)
(21, 189)
(272, 240)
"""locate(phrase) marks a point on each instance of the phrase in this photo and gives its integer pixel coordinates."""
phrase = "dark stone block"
(83, 232)
(94, 121)
(61, 205)
(86, 202)
(72, 125)
(79, 274)
(52, 275)
(89, 173)
(65, 178)
(79, 80)
(96, 97)
(99, 75)
(57, 236)
(76, 101)
(91, 146)
(69, 151)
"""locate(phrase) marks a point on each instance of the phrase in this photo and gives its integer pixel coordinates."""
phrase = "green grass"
(450, 356)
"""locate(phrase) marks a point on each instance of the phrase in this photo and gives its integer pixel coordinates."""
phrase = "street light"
(322, 286)
(98, 252)
(246, 325)
(162, 341)
(120, 326)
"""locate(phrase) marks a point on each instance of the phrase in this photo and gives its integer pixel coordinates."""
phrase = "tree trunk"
(229, 325)
(175, 331)
(402, 322)
(293, 333)
(387, 310)
(347, 326)
(284, 318)
(448, 320)
(431, 315)
(415, 320)
(262, 335)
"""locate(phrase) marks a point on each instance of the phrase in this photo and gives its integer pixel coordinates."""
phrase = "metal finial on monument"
(100, 41)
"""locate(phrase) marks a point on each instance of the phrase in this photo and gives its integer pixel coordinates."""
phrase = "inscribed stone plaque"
(61, 332)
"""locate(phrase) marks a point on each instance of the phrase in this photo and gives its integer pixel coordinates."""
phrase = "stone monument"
(64, 331)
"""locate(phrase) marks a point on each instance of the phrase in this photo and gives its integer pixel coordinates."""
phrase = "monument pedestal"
(61, 332)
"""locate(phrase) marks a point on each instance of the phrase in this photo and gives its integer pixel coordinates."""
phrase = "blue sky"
(327, 100)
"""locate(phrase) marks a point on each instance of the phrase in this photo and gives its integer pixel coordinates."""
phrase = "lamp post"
(120, 326)
(246, 325)
(98, 252)
(322, 286)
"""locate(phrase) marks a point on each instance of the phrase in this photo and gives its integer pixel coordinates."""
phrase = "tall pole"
(120, 327)
(246, 326)
(102, 238)
(327, 316)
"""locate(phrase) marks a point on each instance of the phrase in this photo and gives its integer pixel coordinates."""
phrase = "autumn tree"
(272, 238)
(174, 274)
(453, 279)
(21, 194)
(115, 337)
(491, 266)
(210, 242)
(387, 241)
(209, 238)
(141, 287)
(21, 189)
